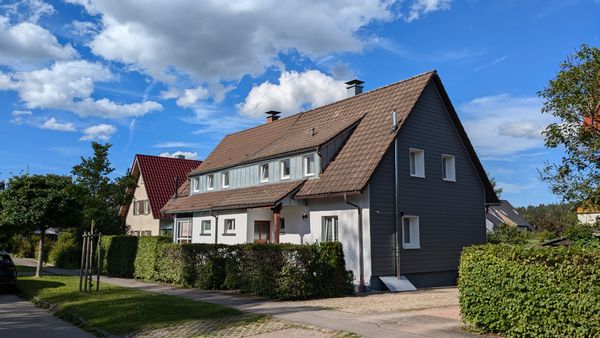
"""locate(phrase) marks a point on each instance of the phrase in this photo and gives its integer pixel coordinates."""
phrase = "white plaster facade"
(303, 225)
(591, 218)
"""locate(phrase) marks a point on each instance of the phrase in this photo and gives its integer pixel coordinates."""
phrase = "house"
(157, 178)
(505, 213)
(389, 173)
(589, 215)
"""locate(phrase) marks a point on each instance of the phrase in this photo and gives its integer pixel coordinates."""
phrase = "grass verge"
(116, 310)
(24, 269)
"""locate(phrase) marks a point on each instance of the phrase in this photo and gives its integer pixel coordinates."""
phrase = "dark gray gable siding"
(330, 149)
(451, 214)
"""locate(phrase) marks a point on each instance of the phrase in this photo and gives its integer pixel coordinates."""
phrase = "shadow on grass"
(33, 287)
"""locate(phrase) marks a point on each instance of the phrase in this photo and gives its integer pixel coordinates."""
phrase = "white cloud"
(176, 144)
(188, 155)
(69, 86)
(423, 7)
(18, 116)
(53, 124)
(185, 97)
(26, 10)
(504, 125)
(213, 40)
(294, 91)
(27, 43)
(99, 132)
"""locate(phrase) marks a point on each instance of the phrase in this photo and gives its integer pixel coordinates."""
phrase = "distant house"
(389, 173)
(156, 178)
(505, 213)
(589, 215)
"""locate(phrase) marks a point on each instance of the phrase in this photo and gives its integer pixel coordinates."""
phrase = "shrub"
(577, 232)
(507, 234)
(28, 246)
(66, 252)
(119, 254)
(169, 264)
(146, 256)
(531, 291)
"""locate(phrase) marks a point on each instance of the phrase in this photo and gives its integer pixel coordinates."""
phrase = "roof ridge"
(298, 114)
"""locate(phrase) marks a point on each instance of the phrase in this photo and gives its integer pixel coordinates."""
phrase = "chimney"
(272, 116)
(181, 157)
(354, 87)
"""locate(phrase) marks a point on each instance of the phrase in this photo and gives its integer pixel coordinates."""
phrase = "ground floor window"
(184, 231)
(205, 227)
(282, 226)
(330, 229)
(229, 225)
(146, 233)
(410, 232)
(135, 233)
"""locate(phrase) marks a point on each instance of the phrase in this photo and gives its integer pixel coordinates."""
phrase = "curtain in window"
(330, 229)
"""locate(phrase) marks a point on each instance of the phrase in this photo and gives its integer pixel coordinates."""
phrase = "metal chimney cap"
(354, 82)
(273, 112)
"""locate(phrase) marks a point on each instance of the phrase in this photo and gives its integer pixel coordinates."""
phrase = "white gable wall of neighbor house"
(590, 218)
(142, 222)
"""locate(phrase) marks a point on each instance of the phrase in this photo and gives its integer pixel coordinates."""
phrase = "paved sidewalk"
(21, 319)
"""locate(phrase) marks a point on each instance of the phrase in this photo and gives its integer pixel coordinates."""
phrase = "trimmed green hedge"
(282, 271)
(531, 291)
(66, 252)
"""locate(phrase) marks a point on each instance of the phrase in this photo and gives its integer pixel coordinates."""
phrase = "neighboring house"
(390, 173)
(590, 215)
(505, 213)
(156, 179)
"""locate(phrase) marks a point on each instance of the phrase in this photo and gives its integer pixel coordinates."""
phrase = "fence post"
(99, 263)
(83, 255)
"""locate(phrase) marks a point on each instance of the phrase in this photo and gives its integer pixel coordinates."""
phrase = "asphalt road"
(20, 318)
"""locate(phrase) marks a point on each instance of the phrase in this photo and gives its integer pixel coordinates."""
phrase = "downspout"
(361, 263)
(216, 225)
(175, 229)
(397, 214)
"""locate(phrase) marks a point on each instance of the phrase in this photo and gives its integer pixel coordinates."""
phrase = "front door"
(262, 231)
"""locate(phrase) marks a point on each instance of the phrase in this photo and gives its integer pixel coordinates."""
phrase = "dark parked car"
(8, 272)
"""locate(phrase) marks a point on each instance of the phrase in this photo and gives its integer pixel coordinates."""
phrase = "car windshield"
(5, 261)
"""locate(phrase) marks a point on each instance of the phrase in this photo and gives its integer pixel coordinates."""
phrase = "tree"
(101, 195)
(574, 97)
(39, 202)
(498, 190)
(552, 217)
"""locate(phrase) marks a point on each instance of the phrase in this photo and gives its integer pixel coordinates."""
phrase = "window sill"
(285, 178)
(417, 176)
(261, 181)
(309, 175)
(411, 247)
(448, 180)
(228, 234)
(205, 234)
(225, 187)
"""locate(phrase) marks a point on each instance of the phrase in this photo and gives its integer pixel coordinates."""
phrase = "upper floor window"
(264, 172)
(448, 168)
(210, 182)
(141, 207)
(309, 164)
(330, 229)
(195, 184)
(225, 176)
(410, 232)
(285, 169)
(417, 162)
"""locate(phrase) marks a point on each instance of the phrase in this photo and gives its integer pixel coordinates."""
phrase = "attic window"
(210, 182)
(264, 172)
(417, 162)
(225, 175)
(195, 184)
(309, 165)
(285, 169)
(448, 168)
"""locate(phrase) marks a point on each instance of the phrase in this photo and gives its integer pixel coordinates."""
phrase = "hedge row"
(282, 271)
(531, 291)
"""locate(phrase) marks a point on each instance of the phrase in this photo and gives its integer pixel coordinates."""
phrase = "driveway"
(22, 319)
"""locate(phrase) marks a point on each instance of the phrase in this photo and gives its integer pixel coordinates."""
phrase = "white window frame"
(195, 184)
(210, 182)
(419, 162)
(414, 238)
(229, 228)
(179, 237)
(263, 172)
(305, 160)
(136, 208)
(282, 166)
(223, 175)
(203, 229)
(146, 207)
(449, 172)
(335, 229)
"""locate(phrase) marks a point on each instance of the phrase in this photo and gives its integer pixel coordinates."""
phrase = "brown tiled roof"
(358, 158)
(263, 195)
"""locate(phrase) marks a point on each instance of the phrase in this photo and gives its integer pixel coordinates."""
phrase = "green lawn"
(118, 310)
(24, 269)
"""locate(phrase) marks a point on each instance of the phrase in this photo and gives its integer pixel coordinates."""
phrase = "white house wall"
(588, 218)
(141, 222)
(239, 236)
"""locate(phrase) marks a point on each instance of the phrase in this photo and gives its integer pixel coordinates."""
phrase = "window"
(136, 208)
(282, 226)
(448, 168)
(285, 169)
(135, 233)
(229, 225)
(410, 232)
(205, 227)
(184, 231)
(225, 175)
(141, 207)
(330, 229)
(264, 172)
(195, 184)
(417, 162)
(146, 233)
(210, 182)
(309, 165)
(146, 207)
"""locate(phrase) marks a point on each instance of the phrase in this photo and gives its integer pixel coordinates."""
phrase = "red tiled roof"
(159, 177)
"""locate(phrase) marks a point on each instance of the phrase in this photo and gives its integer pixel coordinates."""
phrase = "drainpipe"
(216, 225)
(397, 214)
(175, 229)
(361, 263)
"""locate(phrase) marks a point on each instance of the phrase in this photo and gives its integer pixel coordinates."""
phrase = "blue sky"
(176, 76)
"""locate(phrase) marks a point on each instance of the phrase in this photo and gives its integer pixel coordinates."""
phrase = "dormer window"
(309, 165)
(210, 182)
(225, 176)
(285, 169)
(195, 184)
(264, 172)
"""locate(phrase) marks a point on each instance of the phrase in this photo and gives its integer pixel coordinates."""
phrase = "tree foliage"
(574, 97)
(551, 217)
(101, 195)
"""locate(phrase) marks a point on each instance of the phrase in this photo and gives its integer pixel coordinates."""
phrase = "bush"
(531, 291)
(577, 232)
(146, 256)
(507, 234)
(118, 255)
(28, 246)
(66, 252)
